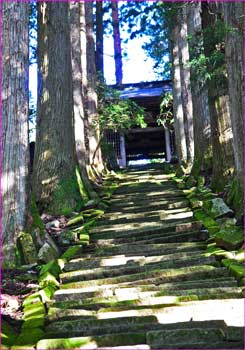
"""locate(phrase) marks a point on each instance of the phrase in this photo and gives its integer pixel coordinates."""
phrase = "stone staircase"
(145, 281)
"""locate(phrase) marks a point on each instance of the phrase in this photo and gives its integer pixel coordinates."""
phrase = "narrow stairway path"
(145, 281)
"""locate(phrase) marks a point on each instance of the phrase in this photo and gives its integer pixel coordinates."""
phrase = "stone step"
(171, 193)
(122, 260)
(191, 236)
(156, 276)
(136, 249)
(150, 299)
(109, 291)
(119, 231)
(149, 205)
(229, 310)
(105, 272)
(88, 327)
(211, 334)
(131, 227)
(194, 338)
(139, 217)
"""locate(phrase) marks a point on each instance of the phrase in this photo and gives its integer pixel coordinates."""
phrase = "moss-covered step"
(145, 216)
(156, 276)
(122, 260)
(151, 299)
(185, 338)
(123, 339)
(230, 238)
(83, 275)
(150, 205)
(28, 339)
(88, 327)
(191, 236)
(209, 223)
(146, 249)
(144, 226)
(182, 226)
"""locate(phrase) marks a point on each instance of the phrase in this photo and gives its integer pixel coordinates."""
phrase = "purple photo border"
(1, 114)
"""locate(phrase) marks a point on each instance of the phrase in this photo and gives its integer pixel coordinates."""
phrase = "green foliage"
(116, 113)
(166, 118)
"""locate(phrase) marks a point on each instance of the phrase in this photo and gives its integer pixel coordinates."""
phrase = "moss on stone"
(26, 248)
(66, 198)
(47, 293)
(32, 310)
(8, 335)
(51, 267)
(47, 279)
(230, 238)
(36, 218)
(75, 220)
(28, 338)
(72, 251)
(209, 223)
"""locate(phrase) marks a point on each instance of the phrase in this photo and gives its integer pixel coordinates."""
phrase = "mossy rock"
(209, 223)
(32, 299)
(230, 238)
(27, 248)
(47, 279)
(71, 252)
(8, 334)
(47, 253)
(75, 220)
(216, 208)
(28, 338)
(236, 269)
(84, 237)
(51, 267)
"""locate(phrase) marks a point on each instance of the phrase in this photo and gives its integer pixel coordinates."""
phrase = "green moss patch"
(8, 335)
(47, 279)
(209, 223)
(236, 269)
(72, 251)
(28, 338)
(51, 267)
(230, 238)
(75, 220)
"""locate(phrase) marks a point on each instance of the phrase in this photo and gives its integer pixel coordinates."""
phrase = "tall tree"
(180, 135)
(54, 170)
(234, 54)
(186, 95)
(201, 117)
(95, 157)
(117, 43)
(99, 38)
(79, 115)
(15, 143)
(221, 132)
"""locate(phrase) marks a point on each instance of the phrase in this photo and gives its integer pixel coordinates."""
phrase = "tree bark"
(117, 43)
(15, 143)
(91, 95)
(180, 136)
(234, 13)
(99, 38)
(221, 133)
(201, 116)
(186, 84)
(54, 173)
(79, 116)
